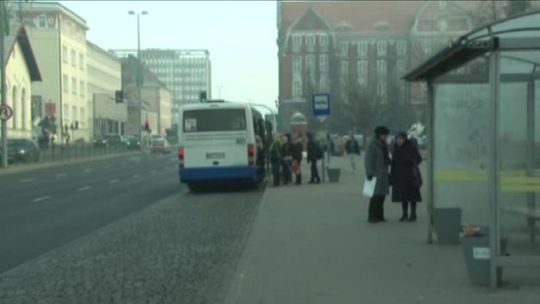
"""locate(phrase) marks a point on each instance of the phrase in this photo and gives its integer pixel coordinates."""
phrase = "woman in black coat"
(405, 176)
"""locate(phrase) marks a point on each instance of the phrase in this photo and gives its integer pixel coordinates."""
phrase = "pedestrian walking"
(377, 161)
(314, 153)
(353, 149)
(286, 158)
(405, 176)
(275, 160)
(261, 159)
(297, 150)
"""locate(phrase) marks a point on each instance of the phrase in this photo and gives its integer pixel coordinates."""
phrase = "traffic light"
(119, 96)
(202, 96)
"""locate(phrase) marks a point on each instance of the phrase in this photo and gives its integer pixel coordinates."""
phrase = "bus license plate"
(215, 155)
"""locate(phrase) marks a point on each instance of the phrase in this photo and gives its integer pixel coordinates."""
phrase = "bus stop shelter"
(483, 132)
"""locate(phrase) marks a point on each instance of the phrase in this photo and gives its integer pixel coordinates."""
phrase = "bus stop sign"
(321, 104)
(5, 112)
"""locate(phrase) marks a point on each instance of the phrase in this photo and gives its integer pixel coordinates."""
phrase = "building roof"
(356, 15)
(55, 6)
(102, 51)
(26, 48)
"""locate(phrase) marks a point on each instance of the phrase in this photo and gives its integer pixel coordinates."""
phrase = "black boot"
(403, 218)
(405, 209)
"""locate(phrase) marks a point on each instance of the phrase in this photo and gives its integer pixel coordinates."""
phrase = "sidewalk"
(312, 244)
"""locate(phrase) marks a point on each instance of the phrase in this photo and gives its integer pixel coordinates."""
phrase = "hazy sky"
(240, 35)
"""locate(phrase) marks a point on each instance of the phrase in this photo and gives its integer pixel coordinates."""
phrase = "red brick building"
(357, 51)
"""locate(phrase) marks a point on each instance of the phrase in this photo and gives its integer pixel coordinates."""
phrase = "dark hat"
(382, 130)
(402, 135)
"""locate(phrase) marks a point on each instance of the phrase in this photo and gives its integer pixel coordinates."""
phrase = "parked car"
(22, 150)
(108, 140)
(131, 142)
(160, 145)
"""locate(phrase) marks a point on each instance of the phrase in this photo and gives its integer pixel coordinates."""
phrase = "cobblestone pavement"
(183, 249)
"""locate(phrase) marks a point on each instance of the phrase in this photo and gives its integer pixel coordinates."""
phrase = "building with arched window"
(21, 71)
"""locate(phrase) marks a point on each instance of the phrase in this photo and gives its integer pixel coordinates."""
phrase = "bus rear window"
(214, 120)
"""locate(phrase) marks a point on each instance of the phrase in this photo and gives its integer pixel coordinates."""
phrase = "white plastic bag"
(369, 187)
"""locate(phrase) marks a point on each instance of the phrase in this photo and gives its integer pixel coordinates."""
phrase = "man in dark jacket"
(297, 150)
(377, 160)
(353, 149)
(314, 153)
(286, 158)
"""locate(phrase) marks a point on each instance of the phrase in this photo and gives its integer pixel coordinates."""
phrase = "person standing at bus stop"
(353, 149)
(314, 153)
(275, 159)
(286, 158)
(377, 161)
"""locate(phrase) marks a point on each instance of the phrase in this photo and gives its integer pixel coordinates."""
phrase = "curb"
(26, 168)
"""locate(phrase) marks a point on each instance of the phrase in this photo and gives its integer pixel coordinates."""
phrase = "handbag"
(369, 187)
(417, 178)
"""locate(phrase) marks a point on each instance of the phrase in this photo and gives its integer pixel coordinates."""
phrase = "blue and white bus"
(218, 143)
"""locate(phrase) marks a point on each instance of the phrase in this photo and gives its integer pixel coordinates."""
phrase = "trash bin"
(477, 253)
(447, 224)
(333, 175)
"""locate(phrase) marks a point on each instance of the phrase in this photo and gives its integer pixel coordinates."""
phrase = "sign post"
(321, 105)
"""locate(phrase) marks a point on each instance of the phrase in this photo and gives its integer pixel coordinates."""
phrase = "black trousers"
(376, 208)
(314, 172)
(276, 173)
(405, 208)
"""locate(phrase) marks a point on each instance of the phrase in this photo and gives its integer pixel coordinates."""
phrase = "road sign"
(321, 104)
(5, 112)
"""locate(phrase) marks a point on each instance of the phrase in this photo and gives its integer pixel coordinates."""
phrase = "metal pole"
(3, 85)
(61, 85)
(494, 167)
(139, 80)
(431, 161)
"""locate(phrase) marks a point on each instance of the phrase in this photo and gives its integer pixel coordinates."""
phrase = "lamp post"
(139, 77)
(3, 30)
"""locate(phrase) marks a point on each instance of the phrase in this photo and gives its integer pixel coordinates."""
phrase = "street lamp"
(139, 71)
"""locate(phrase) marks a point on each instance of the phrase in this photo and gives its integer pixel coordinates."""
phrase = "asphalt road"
(131, 210)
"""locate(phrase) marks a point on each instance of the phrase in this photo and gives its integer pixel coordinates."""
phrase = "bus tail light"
(251, 154)
(181, 154)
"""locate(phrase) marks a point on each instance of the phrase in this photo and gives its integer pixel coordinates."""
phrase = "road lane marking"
(26, 180)
(63, 174)
(85, 188)
(114, 181)
(87, 170)
(43, 198)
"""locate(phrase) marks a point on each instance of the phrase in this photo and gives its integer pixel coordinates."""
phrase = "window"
(74, 86)
(324, 83)
(64, 54)
(82, 88)
(310, 43)
(323, 43)
(361, 71)
(214, 120)
(297, 88)
(344, 49)
(82, 117)
(81, 61)
(362, 48)
(14, 103)
(73, 58)
(401, 48)
(381, 69)
(381, 48)
(323, 63)
(74, 113)
(296, 43)
(310, 66)
(297, 65)
(381, 91)
(400, 67)
(344, 68)
(65, 83)
(66, 113)
(23, 109)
